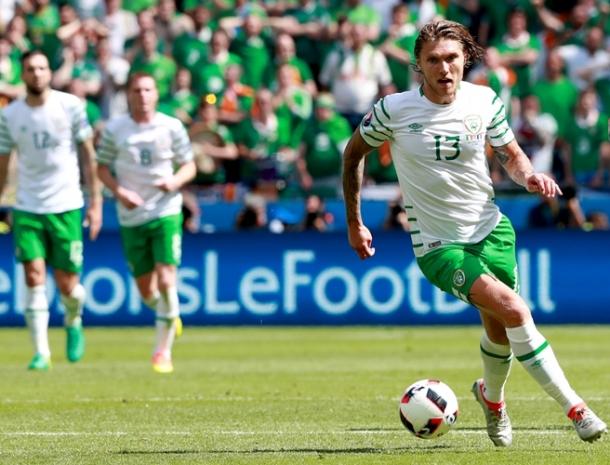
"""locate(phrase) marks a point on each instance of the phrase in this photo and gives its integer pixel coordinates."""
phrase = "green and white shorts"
(158, 241)
(455, 267)
(57, 238)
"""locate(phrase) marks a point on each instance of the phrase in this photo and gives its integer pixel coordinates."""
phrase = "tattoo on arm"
(515, 162)
(501, 154)
(353, 173)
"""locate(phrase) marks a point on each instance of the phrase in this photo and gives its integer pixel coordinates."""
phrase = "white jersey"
(140, 155)
(46, 138)
(439, 156)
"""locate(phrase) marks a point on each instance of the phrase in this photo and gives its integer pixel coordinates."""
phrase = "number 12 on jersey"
(453, 148)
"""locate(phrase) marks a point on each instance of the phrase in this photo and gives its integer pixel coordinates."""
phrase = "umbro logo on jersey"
(415, 127)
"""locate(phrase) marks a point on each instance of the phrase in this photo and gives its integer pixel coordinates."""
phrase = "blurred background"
(270, 92)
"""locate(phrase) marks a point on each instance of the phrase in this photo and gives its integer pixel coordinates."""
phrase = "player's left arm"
(93, 216)
(184, 174)
(183, 156)
(519, 168)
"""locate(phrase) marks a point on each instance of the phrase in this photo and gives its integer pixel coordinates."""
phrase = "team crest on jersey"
(473, 124)
(366, 121)
(459, 278)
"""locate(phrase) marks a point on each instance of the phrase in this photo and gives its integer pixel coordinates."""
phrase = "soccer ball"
(428, 408)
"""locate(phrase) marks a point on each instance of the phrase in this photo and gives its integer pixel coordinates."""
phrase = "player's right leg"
(31, 251)
(454, 269)
(37, 314)
(488, 391)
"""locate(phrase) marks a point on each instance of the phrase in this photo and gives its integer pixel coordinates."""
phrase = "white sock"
(152, 301)
(537, 357)
(497, 360)
(73, 305)
(168, 309)
(37, 319)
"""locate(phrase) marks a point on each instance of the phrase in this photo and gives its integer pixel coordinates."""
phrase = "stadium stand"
(280, 73)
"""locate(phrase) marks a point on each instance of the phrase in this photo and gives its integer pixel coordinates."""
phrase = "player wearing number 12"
(48, 129)
(144, 158)
(463, 244)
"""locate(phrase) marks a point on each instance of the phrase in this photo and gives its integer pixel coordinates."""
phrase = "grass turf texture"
(283, 396)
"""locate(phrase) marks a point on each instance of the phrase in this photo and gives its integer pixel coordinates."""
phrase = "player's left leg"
(498, 296)
(534, 352)
(167, 248)
(66, 258)
(72, 296)
(168, 323)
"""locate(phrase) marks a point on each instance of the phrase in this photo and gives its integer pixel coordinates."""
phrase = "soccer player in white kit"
(48, 128)
(145, 157)
(463, 244)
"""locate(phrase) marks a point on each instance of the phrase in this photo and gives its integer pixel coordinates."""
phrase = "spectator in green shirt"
(78, 65)
(556, 93)
(519, 50)
(191, 47)
(252, 46)
(267, 148)
(588, 150)
(11, 85)
(285, 55)
(235, 99)
(150, 61)
(308, 23)
(213, 145)
(16, 33)
(320, 153)
(357, 12)
(170, 23)
(209, 72)
(43, 20)
(398, 43)
(182, 103)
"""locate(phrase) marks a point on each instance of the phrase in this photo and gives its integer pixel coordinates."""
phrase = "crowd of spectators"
(271, 90)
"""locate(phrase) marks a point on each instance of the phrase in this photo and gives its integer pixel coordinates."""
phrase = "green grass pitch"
(283, 396)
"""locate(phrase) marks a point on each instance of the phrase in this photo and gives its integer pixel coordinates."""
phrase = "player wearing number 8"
(144, 158)
(462, 242)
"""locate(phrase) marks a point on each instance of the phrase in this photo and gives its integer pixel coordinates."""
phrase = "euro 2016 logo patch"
(366, 121)
(473, 123)
(459, 278)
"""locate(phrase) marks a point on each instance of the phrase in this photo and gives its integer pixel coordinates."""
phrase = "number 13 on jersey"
(447, 147)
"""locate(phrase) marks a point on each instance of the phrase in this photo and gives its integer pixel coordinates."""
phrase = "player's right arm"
(106, 155)
(376, 127)
(360, 238)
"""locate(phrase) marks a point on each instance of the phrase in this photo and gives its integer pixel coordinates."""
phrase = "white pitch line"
(396, 432)
(91, 400)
